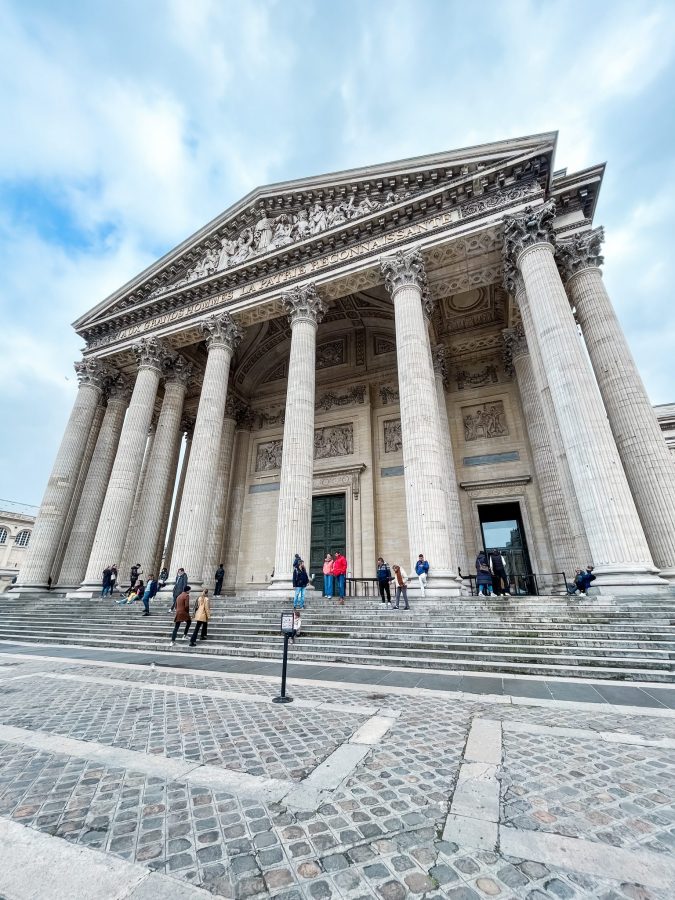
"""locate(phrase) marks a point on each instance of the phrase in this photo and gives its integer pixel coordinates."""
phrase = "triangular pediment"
(274, 225)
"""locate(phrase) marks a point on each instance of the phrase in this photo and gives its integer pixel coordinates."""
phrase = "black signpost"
(286, 630)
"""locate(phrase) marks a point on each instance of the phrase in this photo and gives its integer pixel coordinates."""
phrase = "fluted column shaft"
(159, 475)
(448, 459)
(294, 517)
(615, 536)
(166, 508)
(179, 493)
(214, 540)
(425, 483)
(119, 499)
(235, 511)
(50, 520)
(646, 459)
(194, 517)
(568, 551)
(82, 533)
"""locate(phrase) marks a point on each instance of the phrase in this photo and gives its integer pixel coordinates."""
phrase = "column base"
(439, 584)
(284, 586)
(668, 575)
(636, 581)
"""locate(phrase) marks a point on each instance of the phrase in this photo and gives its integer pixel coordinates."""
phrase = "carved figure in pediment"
(228, 248)
(207, 264)
(244, 247)
(301, 228)
(282, 232)
(317, 219)
(336, 215)
(264, 228)
(367, 206)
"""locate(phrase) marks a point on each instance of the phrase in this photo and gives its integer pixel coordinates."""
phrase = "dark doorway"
(502, 529)
(329, 532)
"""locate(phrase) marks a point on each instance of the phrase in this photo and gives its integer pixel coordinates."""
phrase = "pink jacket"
(328, 567)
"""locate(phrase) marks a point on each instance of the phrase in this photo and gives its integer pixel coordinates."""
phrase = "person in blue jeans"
(422, 570)
(300, 582)
(151, 587)
(340, 574)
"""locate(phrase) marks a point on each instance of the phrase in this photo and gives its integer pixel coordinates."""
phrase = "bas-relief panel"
(392, 436)
(383, 344)
(330, 441)
(483, 421)
(332, 353)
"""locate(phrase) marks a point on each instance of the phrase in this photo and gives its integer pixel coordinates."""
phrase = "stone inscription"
(483, 421)
(392, 436)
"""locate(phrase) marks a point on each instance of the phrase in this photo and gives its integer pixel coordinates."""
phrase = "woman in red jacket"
(339, 572)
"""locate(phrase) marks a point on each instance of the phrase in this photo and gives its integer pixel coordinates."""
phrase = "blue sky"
(127, 126)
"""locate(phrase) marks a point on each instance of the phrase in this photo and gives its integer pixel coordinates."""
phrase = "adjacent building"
(16, 526)
(417, 357)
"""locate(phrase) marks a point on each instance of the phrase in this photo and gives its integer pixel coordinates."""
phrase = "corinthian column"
(294, 517)
(74, 566)
(51, 518)
(194, 518)
(570, 549)
(646, 459)
(214, 541)
(159, 475)
(187, 426)
(448, 459)
(424, 469)
(615, 536)
(115, 515)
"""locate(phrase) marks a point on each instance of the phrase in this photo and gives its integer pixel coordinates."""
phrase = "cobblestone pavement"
(375, 832)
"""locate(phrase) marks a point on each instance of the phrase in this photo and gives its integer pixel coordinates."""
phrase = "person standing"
(220, 574)
(179, 586)
(202, 616)
(105, 585)
(401, 582)
(340, 573)
(151, 588)
(134, 574)
(383, 579)
(113, 577)
(483, 574)
(328, 577)
(500, 579)
(422, 571)
(300, 582)
(182, 614)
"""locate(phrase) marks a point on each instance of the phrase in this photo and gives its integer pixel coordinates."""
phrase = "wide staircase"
(600, 637)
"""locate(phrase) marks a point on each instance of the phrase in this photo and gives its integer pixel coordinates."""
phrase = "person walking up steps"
(383, 579)
(500, 579)
(202, 616)
(182, 614)
(340, 573)
(328, 577)
(422, 570)
(105, 585)
(300, 582)
(401, 582)
(483, 574)
(179, 586)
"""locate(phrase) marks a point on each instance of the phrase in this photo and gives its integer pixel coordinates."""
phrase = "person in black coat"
(220, 574)
(500, 579)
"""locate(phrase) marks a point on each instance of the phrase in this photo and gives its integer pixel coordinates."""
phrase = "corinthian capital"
(581, 251)
(221, 331)
(119, 387)
(304, 304)
(177, 369)
(534, 225)
(92, 372)
(515, 345)
(404, 269)
(149, 353)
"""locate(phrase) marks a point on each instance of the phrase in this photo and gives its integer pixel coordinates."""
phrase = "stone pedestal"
(294, 518)
(615, 536)
(648, 463)
(425, 483)
(74, 566)
(115, 515)
(196, 509)
(48, 528)
(159, 476)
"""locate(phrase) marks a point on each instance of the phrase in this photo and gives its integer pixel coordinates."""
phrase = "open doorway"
(502, 530)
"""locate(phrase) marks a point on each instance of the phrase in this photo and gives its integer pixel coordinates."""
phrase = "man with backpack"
(383, 580)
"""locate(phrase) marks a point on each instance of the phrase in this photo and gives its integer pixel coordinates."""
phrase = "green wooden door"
(329, 532)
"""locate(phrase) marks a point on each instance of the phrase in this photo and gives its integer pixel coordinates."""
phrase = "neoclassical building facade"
(418, 357)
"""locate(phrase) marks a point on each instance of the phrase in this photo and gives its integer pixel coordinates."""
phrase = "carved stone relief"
(327, 401)
(476, 376)
(393, 441)
(268, 456)
(388, 394)
(484, 421)
(330, 354)
(383, 345)
(277, 373)
(333, 440)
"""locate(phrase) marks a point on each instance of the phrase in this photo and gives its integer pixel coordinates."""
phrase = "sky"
(127, 126)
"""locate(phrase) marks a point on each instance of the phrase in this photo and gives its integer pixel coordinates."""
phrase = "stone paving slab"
(376, 831)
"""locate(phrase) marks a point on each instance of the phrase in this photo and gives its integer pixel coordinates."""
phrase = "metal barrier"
(526, 585)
